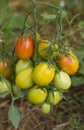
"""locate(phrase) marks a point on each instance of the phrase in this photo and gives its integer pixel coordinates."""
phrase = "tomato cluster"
(45, 78)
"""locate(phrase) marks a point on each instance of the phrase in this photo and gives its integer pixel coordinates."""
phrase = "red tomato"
(24, 47)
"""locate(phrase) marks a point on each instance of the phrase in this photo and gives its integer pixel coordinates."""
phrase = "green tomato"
(62, 80)
(36, 95)
(54, 97)
(46, 107)
(22, 64)
(24, 78)
(5, 86)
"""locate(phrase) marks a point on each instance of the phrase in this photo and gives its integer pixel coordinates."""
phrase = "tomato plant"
(36, 95)
(43, 74)
(24, 47)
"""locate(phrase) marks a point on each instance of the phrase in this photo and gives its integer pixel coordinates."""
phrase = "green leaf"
(81, 24)
(73, 18)
(3, 8)
(82, 35)
(48, 16)
(14, 115)
(76, 81)
(3, 95)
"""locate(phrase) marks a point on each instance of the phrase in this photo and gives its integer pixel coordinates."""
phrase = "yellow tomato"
(24, 78)
(43, 74)
(36, 95)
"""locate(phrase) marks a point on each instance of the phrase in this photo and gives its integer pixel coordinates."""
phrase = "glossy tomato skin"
(62, 80)
(24, 78)
(22, 64)
(43, 74)
(24, 47)
(69, 63)
(36, 95)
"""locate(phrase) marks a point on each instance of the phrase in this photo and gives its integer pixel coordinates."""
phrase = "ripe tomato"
(24, 78)
(45, 107)
(43, 74)
(69, 63)
(5, 69)
(44, 49)
(54, 97)
(24, 47)
(22, 64)
(36, 95)
(62, 80)
(4, 86)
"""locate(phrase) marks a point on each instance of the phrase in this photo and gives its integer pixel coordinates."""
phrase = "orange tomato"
(5, 69)
(24, 47)
(69, 63)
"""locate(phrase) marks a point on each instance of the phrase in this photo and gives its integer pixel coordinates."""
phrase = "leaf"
(15, 22)
(3, 95)
(76, 81)
(14, 116)
(81, 24)
(73, 18)
(48, 16)
(82, 35)
(3, 8)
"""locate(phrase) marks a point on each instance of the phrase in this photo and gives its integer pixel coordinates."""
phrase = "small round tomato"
(54, 97)
(24, 47)
(69, 63)
(36, 95)
(5, 86)
(22, 64)
(5, 69)
(45, 107)
(62, 80)
(43, 74)
(24, 78)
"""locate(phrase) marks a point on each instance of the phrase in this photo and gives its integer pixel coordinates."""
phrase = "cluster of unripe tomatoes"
(44, 72)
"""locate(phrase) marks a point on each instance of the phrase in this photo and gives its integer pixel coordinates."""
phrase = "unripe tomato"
(22, 64)
(43, 74)
(36, 95)
(5, 86)
(24, 47)
(62, 80)
(24, 78)
(44, 49)
(45, 107)
(54, 97)
(69, 63)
